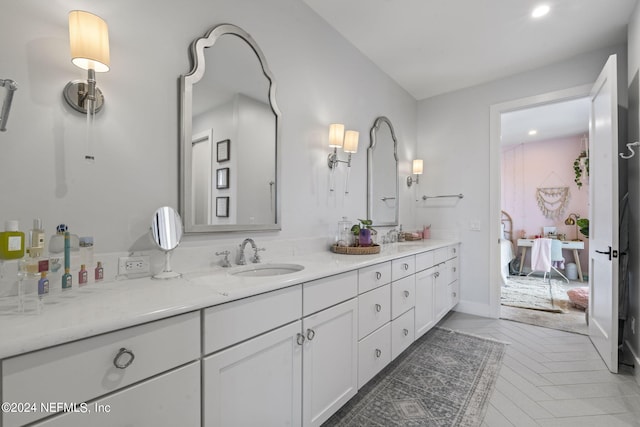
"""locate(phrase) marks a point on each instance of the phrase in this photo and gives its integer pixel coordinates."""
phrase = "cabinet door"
(402, 295)
(402, 333)
(171, 399)
(330, 361)
(257, 382)
(424, 309)
(442, 293)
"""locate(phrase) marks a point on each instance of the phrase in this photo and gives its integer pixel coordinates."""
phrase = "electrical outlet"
(474, 225)
(134, 266)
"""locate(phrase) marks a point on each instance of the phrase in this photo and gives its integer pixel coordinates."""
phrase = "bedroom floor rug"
(535, 294)
(445, 378)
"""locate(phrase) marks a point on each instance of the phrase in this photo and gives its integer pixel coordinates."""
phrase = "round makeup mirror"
(166, 229)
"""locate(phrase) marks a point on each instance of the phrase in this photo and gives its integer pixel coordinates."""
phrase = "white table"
(573, 245)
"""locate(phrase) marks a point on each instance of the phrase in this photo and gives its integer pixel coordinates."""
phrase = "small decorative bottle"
(99, 272)
(83, 276)
(43, 284)
(11, 241)
(67, 280)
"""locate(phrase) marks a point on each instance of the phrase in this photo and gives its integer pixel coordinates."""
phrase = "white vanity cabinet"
(330, 349)
(446, 284)
(85, 370)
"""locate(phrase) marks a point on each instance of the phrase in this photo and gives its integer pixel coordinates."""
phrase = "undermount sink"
(264, 270)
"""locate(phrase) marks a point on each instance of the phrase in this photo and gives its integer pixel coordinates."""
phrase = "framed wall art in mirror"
(233, 101)
(382, 174)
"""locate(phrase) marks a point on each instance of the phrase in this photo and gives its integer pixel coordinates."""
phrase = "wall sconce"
(572, 219)
(89, 42)
(416, 170)
(348, 141)
(6, 104)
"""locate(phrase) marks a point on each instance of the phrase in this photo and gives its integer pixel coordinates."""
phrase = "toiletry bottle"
(99, 272)
(83, 276)
(43, 285)
(67, 280)
(11, 241)
(36, 239)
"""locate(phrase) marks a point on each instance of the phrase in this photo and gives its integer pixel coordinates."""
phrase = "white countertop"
(108, 306)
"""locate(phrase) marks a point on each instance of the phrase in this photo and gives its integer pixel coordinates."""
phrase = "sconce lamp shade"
(89, 41)
(417, 167)
(351, 141)
(336, 135)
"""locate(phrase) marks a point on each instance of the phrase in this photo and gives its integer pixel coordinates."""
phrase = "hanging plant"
(580, 167)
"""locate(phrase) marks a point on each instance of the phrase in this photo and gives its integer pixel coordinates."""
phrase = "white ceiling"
(430, 47)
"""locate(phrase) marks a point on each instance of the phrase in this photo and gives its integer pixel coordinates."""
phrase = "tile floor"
(552, 378)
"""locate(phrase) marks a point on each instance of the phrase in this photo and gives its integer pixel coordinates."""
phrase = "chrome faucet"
(255, 258)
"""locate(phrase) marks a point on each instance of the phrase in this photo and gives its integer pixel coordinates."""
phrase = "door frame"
(495, 175)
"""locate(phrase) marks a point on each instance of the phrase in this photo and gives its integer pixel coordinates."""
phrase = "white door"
(330, 361)
(603, 215)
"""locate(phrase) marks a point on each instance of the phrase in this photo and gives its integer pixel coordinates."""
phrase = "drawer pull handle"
(311, 334)
(454, 269)
(378, 353)
(300, 339)
(437, 274)
(378, 308)
(378, 275)
(406, 294)
(127, 356)
(405, 266)
(405, 331)
(455, 294)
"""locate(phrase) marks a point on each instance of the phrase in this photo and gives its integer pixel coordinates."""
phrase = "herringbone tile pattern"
(552, 378)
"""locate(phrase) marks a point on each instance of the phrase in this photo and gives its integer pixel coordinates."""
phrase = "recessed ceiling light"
(540, 11)
(533, 132)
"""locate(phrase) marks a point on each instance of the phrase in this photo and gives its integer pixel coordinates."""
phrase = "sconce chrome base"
(411, 180)
(75, 93)
(332, 160)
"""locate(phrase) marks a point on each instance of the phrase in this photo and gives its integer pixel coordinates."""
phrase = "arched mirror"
(382, 174)
(166, 230)
(230, 132)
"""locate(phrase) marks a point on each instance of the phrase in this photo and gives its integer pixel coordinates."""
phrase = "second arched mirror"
(382, 174)
(230, 132)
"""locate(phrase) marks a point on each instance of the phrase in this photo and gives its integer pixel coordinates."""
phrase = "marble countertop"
(109, 306)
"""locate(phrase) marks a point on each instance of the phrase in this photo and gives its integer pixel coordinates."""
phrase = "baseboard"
(636, 361)
(475, 309)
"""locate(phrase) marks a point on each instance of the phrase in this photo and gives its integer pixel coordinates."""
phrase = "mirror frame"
(372, 134)
(186, 97)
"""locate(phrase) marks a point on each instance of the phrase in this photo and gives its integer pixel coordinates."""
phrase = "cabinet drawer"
(424, 260)
(374, 353)
(230, 323)
(171, 399)
(402, 333)
(454, 290)
(440, 255)
(374, 310)
(452, 266)
(403, 295)
(374, 276)
(322, 293)
(85, 369)
(402, 267)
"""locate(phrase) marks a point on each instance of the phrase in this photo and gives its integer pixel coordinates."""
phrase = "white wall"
(633, 338)
(454, 141)
(321, 79)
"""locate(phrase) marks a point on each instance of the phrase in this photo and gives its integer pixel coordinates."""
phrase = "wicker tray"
(409, 237)
(356, 250)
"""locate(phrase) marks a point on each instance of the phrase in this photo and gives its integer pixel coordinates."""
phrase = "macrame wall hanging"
(552, 201)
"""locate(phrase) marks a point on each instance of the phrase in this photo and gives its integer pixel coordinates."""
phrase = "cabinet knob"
(378, 275)
(378, 308)
(454, 269)
(123, 359)
(454, 250)
(311, 334)
(405, 266)
(406, 294)
(455, 294)
(300, 339)
(405, 331)
(378, 352)
(437, 274)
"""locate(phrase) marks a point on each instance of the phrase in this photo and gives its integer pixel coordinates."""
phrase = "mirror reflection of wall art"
(223, 150)
(222, 207)
(222, 178)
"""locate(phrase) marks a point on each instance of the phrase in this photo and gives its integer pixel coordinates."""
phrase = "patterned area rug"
(535, 294)
(444, 379)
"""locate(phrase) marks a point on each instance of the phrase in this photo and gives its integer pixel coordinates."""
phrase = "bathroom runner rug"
(445, 378)
(534, 293)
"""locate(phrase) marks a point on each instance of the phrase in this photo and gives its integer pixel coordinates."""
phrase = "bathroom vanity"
(217, 349)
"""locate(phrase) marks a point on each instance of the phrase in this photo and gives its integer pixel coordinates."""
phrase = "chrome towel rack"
(459, 196)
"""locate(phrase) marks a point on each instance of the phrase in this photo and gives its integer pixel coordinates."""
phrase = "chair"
(546, 254)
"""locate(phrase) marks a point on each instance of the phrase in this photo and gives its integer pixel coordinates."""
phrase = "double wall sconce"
(348, 141)
(89, 42)
(11, 87)
(416, 169)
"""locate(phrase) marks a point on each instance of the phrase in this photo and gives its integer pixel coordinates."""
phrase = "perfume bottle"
(43, 284)
(83, 276)
(67, 280)
(99, 272)
(36, 239)
(11, 241)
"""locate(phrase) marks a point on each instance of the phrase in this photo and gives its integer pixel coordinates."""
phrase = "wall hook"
(630, 146)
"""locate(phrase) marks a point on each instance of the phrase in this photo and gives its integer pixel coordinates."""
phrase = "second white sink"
(263, 270)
